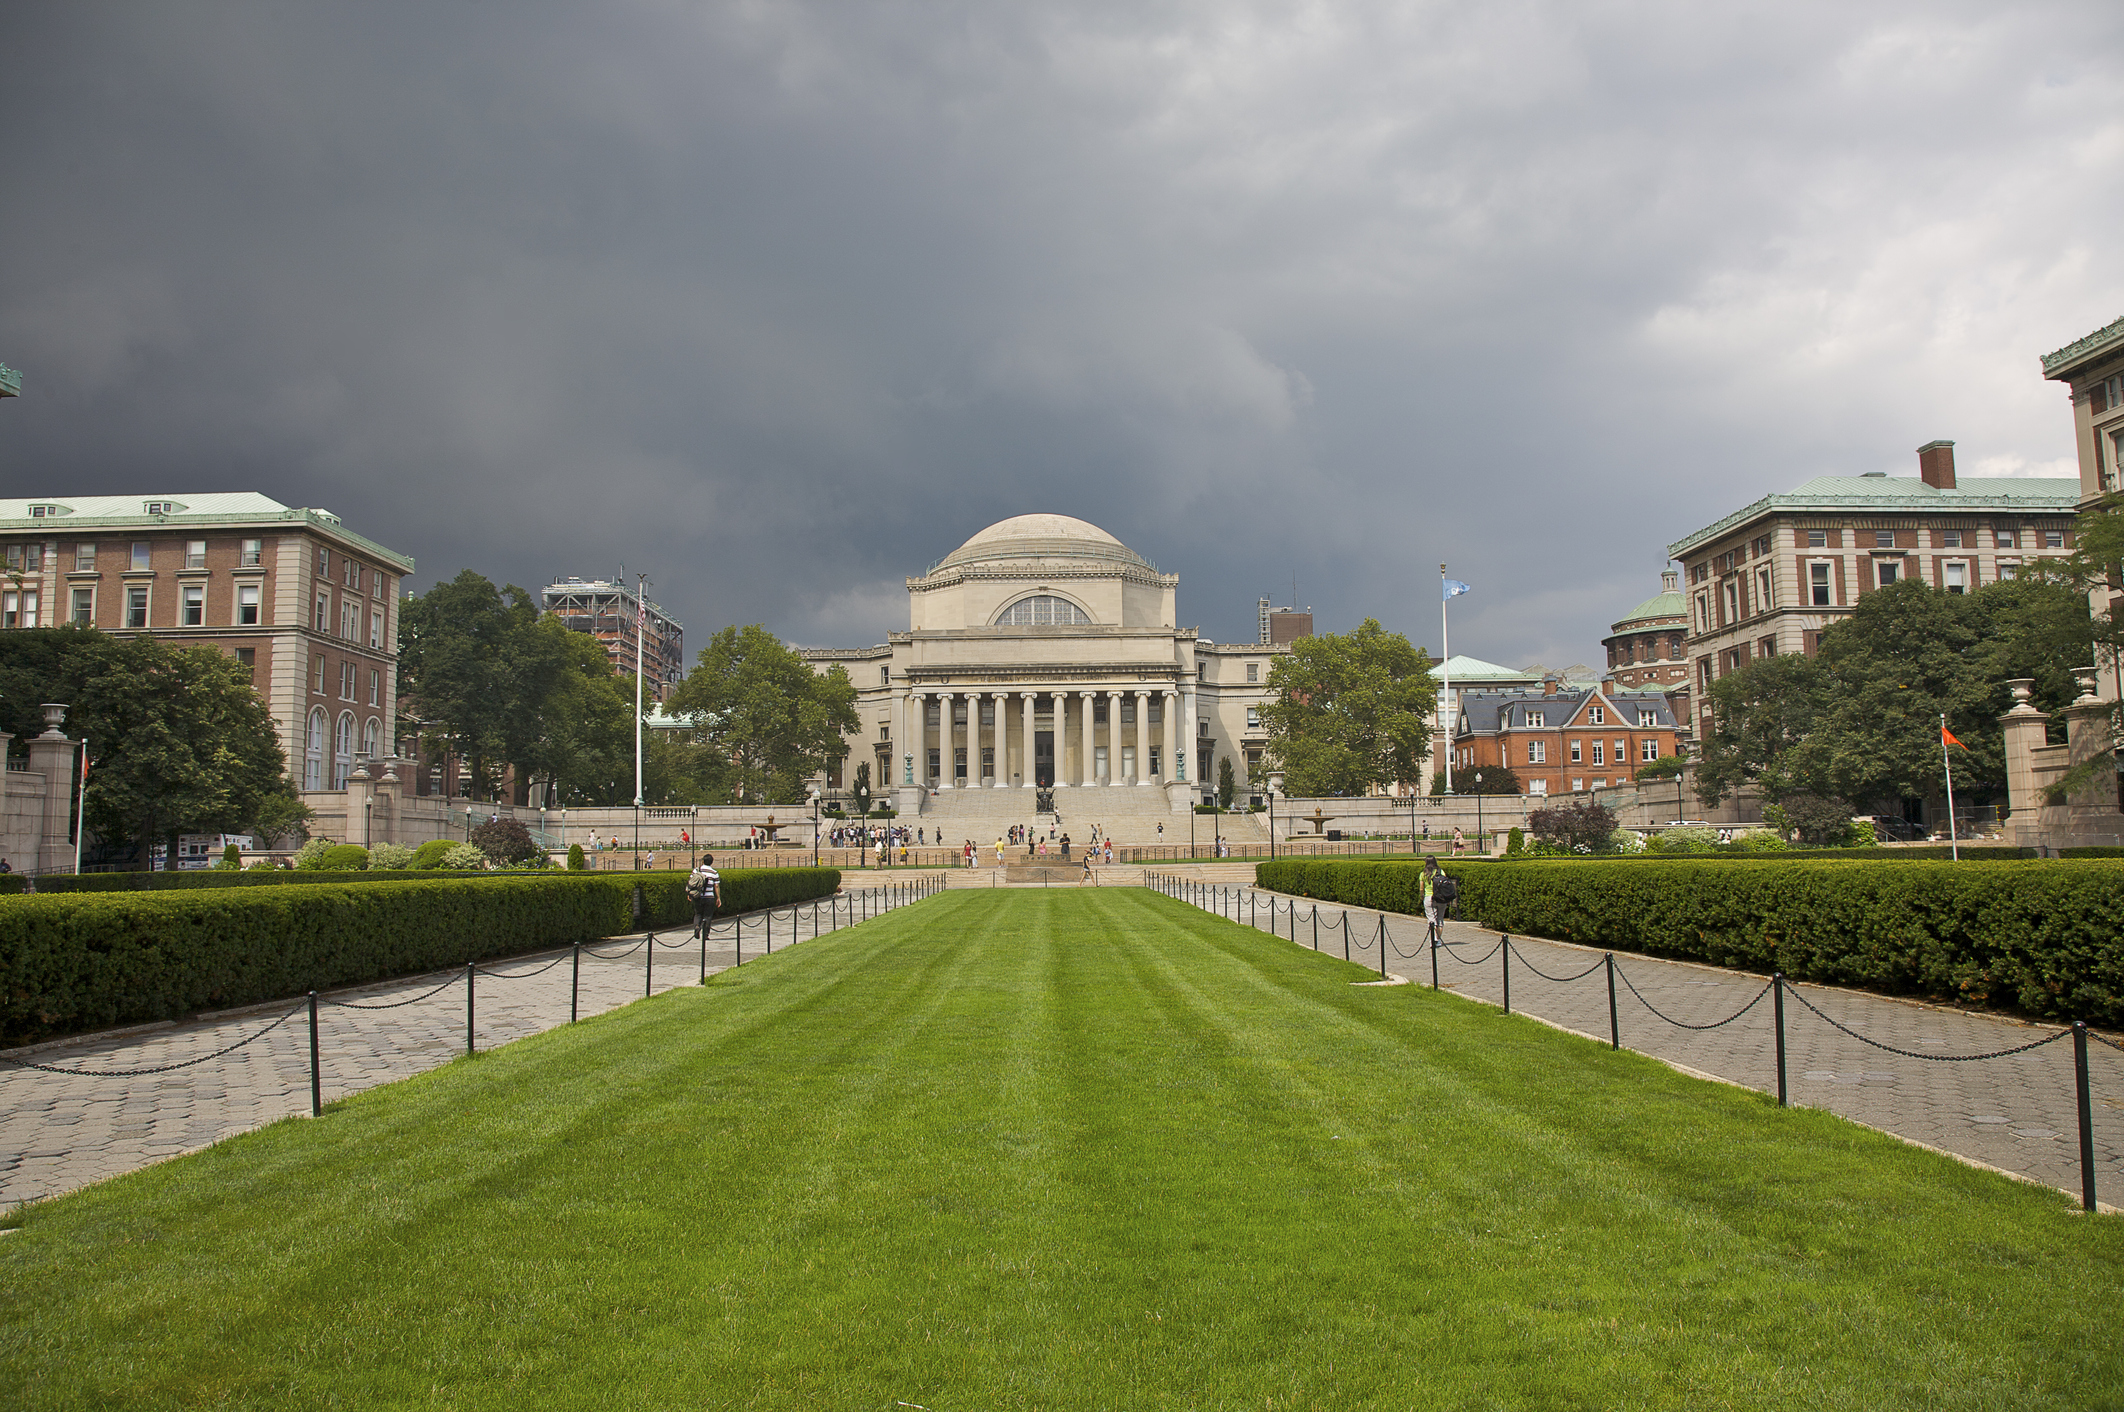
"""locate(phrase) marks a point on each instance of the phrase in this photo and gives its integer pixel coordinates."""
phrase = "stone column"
(1086, 758)
(55, 756)
(1169, 703)
(911, 725)
(1143, 737)
(2024, 732)
(1185, 745)
(1025, 731)
(973, 738)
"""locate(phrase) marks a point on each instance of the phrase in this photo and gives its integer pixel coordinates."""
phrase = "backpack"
(1445, 889)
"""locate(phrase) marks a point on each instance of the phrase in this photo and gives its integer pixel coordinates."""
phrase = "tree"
(1227, 785)
(504, 841)
(1860, 721)
(861, 791)
(179, 741)
(454, 665)
(1666, 767)
(775, 721)
(1819, 822)
(1584, 825)
(1352, 711)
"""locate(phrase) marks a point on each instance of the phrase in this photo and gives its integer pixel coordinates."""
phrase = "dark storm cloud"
(781, 302)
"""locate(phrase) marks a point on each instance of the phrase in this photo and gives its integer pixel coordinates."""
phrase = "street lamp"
(1478, 811)
(814, 828)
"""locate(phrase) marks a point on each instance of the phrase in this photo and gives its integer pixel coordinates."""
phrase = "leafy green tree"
(504, 841)
(1666, 767)
(682, 767)
(1581, 825)
(1227, 784)
(774, 720)
(1860, 721)
(179, 741)
(1352, 711)
(861, 790)
(455, 666)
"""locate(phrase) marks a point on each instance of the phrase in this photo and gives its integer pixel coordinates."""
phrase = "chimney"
(1936, 464)
(1549, 684)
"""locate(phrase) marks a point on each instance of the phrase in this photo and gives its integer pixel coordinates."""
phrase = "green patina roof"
(1669, 604)
(2102, 340)
(1860, 494)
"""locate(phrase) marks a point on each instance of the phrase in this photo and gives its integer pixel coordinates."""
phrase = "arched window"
(371, 737)
(313, 751)
(1043, 610)
(343, 751)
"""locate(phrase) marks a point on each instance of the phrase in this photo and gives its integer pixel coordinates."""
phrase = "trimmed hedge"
(2041, 937)
(13, 882)
(88, 962)
(2095, 852)
(213, 878)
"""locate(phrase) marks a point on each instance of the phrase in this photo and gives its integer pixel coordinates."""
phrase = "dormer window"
(1597, 716)
(161, 507)
(48, 512)
(1536, 718)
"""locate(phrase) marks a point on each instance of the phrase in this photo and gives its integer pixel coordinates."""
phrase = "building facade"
(1563, 737)
(1769, 578)
(1045, 655)
(626, 623)
(1648, 649)
(307, 605)
(2092, 369)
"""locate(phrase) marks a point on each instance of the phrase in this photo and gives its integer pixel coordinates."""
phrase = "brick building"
(1648, 649)
(307, 605)
(1563, 738)
(1769, 577)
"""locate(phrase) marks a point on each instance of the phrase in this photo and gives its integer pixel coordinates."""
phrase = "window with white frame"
(1578, 783)
(1648, 750)
(1043, 610)
(375, 688)
(1537, 752)
(141, 556)
(1950, 539)
(1764, 599)
(324, 611)
(313, 746)
(1536, 718)
(371, 738)
(1253, 671)
(1818, 584)
(136, 605)
(346, 681)
(343, 750)
(317, 675)
(1538, 787)
(2005, 537)
(2054, 539)
(194, 606)
(1578, 752)
(1647, 717)
(1622, 752)
(1818, 539)
(324, 562)
(376, 628)
(84, 607)
(253, 553)
(1600, 753)
(85, 558)
(18, 608)
(1597, 716)
(1732, 601)
(1253, 718)
(1957, 577)
(195, 554)
(1886, 571)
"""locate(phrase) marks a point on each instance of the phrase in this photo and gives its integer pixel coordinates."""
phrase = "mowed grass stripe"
(1059, 1149)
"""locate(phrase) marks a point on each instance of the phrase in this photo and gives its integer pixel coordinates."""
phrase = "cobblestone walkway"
(2018, 1113)
(61, 1132)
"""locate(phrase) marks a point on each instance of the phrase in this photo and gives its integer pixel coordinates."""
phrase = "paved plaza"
(2018, 1114)
(60, 1132)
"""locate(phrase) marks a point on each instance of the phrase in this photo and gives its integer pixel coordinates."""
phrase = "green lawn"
(1066, 1149)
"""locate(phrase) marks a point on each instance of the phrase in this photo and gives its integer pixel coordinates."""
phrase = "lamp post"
(814, 828)
(1275, 787)
(1478, 811)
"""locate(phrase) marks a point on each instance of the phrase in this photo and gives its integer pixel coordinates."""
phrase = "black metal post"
(468, 1007)
(575, 980)
(2079, 1068)
(317, 1076)
(1316, 924)
(1614, 1025)
(648, 963)
(1434, 959)
(1504, 949)
(769, 925)
(737, 938)
(1777, 994)
(1382, 946)
(1345, 931)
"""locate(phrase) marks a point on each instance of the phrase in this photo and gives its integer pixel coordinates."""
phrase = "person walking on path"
(999, 850)
(1434, 906)
(1460, 841)
(704, 885)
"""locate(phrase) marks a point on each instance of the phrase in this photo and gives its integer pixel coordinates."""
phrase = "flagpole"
(1954, 842)
(1445, 649)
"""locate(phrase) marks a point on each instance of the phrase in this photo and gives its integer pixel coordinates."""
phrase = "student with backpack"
(1440, 891)
(704, 885)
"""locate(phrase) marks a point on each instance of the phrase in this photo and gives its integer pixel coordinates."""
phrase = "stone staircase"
(1125, 813)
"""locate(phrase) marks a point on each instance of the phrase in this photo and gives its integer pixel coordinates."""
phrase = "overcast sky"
(783, 301)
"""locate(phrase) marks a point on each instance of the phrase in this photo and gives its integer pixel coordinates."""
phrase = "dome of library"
(1023, 538)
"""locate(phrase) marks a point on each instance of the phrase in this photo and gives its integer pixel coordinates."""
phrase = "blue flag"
(1454, 588)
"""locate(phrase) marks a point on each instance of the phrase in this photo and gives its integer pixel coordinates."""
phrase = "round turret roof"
(1660, 606)
(1038, 537)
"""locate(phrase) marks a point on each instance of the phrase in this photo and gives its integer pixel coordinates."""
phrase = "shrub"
(1759, 841)
(1819, 822)
(345, 857)
(1860, 834)
(390, 857)
(1684, 838)
(231, 859)
(462, 858)
(577, 863)
(1516, 840)
(312, 852)
(1584, 825)
(504, 840)
(264, 865)
(2034, 935)
(70, 963)
(430, 854)
(1626, 841)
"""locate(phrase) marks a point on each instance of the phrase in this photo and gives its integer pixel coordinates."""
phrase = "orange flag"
(1947, 738)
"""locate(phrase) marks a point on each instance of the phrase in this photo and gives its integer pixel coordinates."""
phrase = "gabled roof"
(1480, 711)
